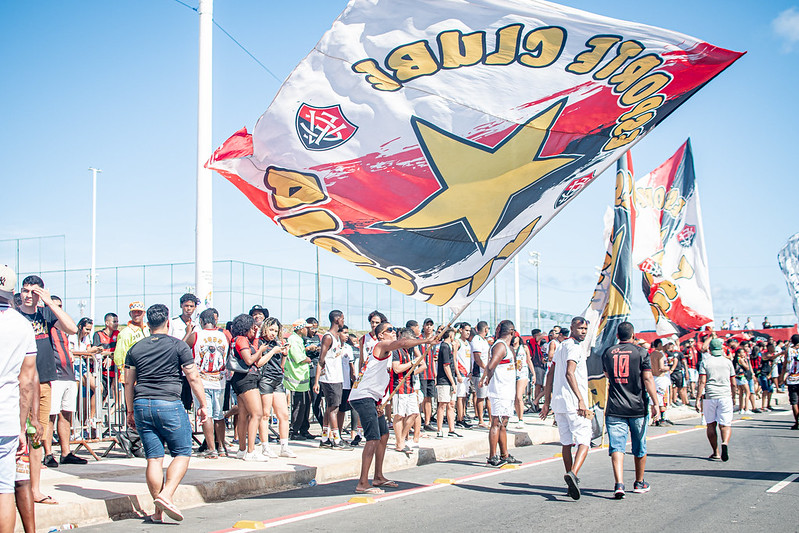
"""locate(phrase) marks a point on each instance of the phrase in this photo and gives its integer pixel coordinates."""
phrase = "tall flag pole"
(610, 303)
(204, 234)
(788, 259)
(670, 246)
(428, 142)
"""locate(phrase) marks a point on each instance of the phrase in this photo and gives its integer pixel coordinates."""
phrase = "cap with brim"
(716, 347)
(298, 324)
(136, 306)
(8, 281)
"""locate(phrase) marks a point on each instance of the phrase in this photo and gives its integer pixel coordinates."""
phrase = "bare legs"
(498, 434)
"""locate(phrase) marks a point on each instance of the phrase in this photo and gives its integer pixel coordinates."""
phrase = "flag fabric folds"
(427, 142)
(670, 247)
(788, 259)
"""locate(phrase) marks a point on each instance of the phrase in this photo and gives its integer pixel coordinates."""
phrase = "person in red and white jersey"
(405, 402)
(566, 393)
(790, 376)
(463, 373)
(210, 347)
(500, 377)
(368, 341)
(367, 391)
(428, 377)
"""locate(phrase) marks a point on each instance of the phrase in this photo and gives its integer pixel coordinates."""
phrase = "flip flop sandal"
(370, 490)
(389, 484)
(47, 500)
(170, 510)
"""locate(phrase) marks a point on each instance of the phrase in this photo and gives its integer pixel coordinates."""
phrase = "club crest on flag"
(650, 266)
(323, 128)
(574, 187)
(686, 236)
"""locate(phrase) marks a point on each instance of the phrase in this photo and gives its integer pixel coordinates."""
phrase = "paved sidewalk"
(114, 488)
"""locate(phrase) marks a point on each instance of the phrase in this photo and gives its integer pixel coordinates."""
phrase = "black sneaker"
(428, 427)
(466, 424)
(511, 460)
(340, 445)
(618, 490)
(49, 461)
(459, 424)
(439, 435)
(572, 482)
(326, 444)
(73, 459)
(356, 441)
(496, 461)
(667, 422)
(297, 437)
(454, 434)
(640, 487)
(725, 453)
(310, 436)
(795, 426)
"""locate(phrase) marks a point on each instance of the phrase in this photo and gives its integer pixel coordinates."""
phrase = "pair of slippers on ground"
(168, 509)
(376, 489)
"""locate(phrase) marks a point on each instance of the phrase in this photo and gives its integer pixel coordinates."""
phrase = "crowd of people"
(269, 382)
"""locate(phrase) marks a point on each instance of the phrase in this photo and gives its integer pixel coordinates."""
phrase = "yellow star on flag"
(477, 182)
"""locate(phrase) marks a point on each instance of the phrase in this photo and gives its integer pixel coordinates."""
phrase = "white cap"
(8, 281)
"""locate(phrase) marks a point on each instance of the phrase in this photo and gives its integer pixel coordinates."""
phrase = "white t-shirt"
(480, 348)
(792, 366)
(17, 342)
(563, 398)
(210, 354)
(373, 379)
(347, 358)
(79, 363)
(556, 344)
(177, 328)
(332, 372)
(464, 356)
(503, 382)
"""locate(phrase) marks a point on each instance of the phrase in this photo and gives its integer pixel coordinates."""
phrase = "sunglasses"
(391, 329)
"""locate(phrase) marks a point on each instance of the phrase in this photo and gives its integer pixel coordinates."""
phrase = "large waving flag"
(427, 142)
(670, 246)
(788, 259)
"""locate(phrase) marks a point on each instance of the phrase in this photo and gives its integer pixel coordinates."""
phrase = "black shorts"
(429, 388)
(793, 394)
(344, 406)
(332, 393)
(270, 385)
(677, 380)
(242, 383)
(374, 427)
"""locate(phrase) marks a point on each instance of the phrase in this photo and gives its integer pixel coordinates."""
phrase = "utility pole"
(93, 275)
(204, 232)
(535, 260)
(518, 314)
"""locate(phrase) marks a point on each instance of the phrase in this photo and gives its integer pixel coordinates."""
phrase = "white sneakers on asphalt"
(255, 456)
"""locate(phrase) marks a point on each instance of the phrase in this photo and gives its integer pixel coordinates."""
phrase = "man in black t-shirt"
(152, 397)
(629, 373)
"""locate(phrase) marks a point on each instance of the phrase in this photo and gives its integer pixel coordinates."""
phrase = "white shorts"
(482, 392)
(405, 404)
(775, 371)
(444, 393)
(693, 375)
(718, 410)
(463, 388)
(64, 396)
(662, 384)
(8, 463)
(574, 429)
(501, 406)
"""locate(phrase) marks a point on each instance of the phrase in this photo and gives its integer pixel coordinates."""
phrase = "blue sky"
(113, 85)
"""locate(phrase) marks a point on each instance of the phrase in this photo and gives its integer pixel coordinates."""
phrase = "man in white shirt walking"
(566, 394)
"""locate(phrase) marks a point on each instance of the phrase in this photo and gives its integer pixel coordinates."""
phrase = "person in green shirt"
(296, 379)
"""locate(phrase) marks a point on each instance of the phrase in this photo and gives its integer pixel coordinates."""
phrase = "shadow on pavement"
(338, 488)
(549, 493)
(730, 474)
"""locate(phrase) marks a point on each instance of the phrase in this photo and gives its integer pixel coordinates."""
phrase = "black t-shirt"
(43, 322)
(272, 369)
(444, 360)
(158, 360)
(624, 364)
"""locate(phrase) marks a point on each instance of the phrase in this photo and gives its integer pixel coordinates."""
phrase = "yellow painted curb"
(362, 499)
(672, 431)
(700, 426)
(508, 467)
(558, 455)
(444, 481)
(746, 418)
(249, 524)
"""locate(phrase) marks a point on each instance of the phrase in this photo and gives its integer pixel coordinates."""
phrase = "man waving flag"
(427, 142)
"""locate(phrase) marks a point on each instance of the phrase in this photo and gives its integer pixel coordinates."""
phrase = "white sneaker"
(240, 454)
(267, 451)
(255, 456)
(414, 445)
(285, 451)
(520, 424)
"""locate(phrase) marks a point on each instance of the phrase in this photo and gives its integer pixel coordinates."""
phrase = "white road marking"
(784, 483)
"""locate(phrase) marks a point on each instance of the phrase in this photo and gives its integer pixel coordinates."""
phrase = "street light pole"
(535, 260)
(204, 234)
(92, 276)
(517, 304)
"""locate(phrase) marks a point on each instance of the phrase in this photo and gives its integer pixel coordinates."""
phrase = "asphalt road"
(689, 492)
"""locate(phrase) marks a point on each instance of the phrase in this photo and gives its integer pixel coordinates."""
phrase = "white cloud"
(786, 26)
